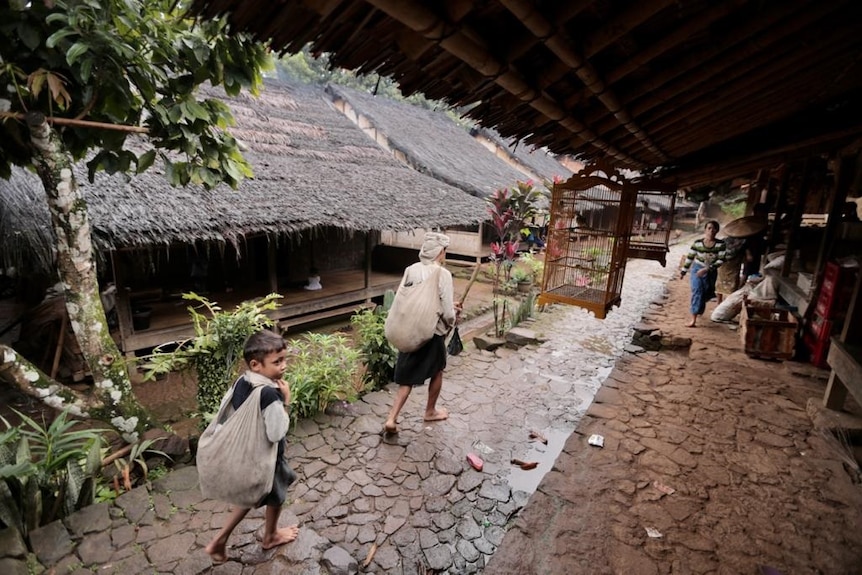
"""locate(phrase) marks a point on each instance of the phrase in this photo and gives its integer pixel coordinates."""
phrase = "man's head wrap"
(432, 246)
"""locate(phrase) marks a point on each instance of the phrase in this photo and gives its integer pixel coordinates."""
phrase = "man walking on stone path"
(413, 368)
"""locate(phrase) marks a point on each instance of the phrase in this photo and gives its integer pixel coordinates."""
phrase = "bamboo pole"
(679, 35)
(58, 353)
(726, 168)
(755, 43)
(623, 23)
(562, 48)
(753, 82)
(80, 123)
(739, 45)
(732, 112)
(721, 121)
(461, 44)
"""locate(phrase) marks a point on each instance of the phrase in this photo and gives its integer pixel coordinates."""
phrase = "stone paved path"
(688, 422)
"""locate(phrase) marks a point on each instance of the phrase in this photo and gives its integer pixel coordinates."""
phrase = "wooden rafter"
(461, 43)
(623, 23)
(736, 48)
(694, 26)
(722, 109)
(586, 72)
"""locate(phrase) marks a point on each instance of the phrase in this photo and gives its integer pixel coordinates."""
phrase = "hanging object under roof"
(653, 220)
(588, 238)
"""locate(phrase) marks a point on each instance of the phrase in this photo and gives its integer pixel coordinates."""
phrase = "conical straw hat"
(744, 227)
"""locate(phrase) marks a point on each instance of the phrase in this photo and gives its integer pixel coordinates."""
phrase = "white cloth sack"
(766, 291)
(236, 460)
(731, 306)
(415, 311)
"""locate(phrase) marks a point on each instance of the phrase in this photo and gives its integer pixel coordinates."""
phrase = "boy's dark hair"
(261, 344)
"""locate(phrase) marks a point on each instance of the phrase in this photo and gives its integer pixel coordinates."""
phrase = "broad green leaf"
(77, 50)
(145, 161)
(55, 38)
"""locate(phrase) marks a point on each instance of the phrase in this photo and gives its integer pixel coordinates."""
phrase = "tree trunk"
(77, 268)
(20, 373)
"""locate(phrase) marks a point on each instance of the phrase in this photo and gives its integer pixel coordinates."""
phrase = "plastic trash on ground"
(475, 461)
(596, 440)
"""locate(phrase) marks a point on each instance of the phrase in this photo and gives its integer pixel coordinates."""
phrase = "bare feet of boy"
(281, 536)
(436, 415)
(390, 427)
(217, 552)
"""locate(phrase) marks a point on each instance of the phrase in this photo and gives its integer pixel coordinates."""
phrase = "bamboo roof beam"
(721, 105)
(701, 22)
(733, 50)
(461, 44)
(622, 24)
(727, 168)
(586, 72)
(738, 82)
(559, 14)
(741, 55)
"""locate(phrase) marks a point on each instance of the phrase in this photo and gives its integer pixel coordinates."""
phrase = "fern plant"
(322, 369)
(215, 351)
(46, 472)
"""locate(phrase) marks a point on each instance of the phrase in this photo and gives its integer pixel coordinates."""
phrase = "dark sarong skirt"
(413, 368)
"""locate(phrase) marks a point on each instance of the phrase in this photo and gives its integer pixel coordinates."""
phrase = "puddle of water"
(545, 455)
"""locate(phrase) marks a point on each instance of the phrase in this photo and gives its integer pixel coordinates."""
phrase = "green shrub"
(323, 369)
(535, 265)
(46, 473)
(379, 357)
(215, 351)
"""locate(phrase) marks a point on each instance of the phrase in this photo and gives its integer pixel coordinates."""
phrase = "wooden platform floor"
(170, 319)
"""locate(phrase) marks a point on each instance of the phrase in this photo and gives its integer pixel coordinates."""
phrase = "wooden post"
(272, 264)
(843, 178)
(796, 217)
(367, 259)
(850, 339)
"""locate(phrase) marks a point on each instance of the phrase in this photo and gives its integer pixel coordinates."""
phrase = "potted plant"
(523, 278)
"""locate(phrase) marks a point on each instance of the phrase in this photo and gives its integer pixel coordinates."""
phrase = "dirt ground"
(713, 462)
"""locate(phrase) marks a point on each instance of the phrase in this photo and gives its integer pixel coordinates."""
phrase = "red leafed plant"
(508, 209)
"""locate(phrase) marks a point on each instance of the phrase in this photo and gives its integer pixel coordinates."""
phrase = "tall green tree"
(112, 83)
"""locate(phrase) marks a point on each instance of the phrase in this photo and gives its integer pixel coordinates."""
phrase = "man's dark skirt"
(414, 367)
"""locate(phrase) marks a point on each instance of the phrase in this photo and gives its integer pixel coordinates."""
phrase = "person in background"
(313, 280)
(728, 272)
(428, 362)
(703, 260)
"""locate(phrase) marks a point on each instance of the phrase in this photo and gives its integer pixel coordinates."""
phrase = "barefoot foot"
(691, 324)
(280, 537)
(436, 415)
(390, 428)
(217, 553)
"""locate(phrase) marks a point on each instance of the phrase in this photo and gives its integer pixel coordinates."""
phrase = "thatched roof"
(537, 160)
(432, 143)
(702, 90)
(27, 241)
(313, 168)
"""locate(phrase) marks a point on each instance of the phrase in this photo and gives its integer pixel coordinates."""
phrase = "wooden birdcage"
(653, 220)
(588, 239)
